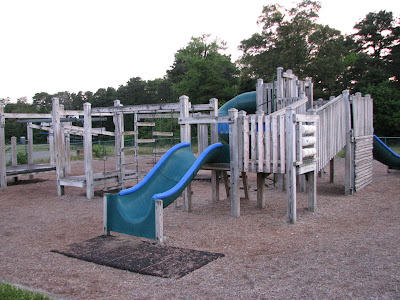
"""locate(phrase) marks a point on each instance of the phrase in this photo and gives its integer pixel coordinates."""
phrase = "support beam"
(260, 190)
(185, 137)
(29, 134)
(290, 166)
(312, 190)
(349, 167)
(215, 185)
(105, 212)
(332, 170)
(234, 165)
(3, 170)
(159, 221)
(88, 150)
(59, 145)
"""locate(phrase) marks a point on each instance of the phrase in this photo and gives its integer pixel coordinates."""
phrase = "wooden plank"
(205, 120)
(246, 144)
(125, 133)
(312, 190)
(267, 140)
(241, 117)
(253, 141)
(274, 135)
(159, 133)
(260, 141)
(165, 107)
(87, 148)
(234, 168)
(215, 186)
(105, 218)
(145, 124)
(290, 168)
(159, 221)
(144, 141)
(26, 116)
(282, 150)
(260, 190)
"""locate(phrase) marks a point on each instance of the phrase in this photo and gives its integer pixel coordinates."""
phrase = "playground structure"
(27, 169)
(278, 129)
(292, 140)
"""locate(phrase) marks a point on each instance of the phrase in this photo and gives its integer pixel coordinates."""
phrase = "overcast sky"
(83, 45)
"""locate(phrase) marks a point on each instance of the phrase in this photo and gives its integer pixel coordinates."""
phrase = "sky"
(83, 45)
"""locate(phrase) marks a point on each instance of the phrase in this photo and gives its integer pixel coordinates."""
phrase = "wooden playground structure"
(290, 136)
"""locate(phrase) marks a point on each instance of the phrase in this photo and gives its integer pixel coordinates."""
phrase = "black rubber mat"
(138, 256)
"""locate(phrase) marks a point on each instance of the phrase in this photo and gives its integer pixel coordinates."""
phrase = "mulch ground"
(349, 248)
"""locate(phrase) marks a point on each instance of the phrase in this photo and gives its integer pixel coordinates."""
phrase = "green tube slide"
(132, 211)
(385, 155)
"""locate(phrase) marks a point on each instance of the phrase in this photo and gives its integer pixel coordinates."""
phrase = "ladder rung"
(159, 133)
(129, 133)
(129, 164)
(111, 188)
(151, 124)
(129, 148)
(159, 151)
(142, 141)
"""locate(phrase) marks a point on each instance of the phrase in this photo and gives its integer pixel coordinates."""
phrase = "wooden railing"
(331, 137)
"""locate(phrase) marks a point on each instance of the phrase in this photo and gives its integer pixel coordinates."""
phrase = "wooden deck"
(29, 169)
(98, 179)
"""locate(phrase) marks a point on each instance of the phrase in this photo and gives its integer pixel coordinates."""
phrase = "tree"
(377, 47)
(284, 40)
(201, 72)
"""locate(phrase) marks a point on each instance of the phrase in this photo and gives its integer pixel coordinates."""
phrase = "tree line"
(366, 61)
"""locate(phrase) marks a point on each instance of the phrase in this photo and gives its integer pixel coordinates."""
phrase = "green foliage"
(386, 108)
(202, 73)
(9, 292)
(100, 150)
(22, 158)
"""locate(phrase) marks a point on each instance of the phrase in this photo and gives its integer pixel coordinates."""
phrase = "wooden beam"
(159, 221)
(234, 166)
(290, 167)
(88, 150)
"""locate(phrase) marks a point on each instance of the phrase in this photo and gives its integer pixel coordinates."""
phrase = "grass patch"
(9, 292)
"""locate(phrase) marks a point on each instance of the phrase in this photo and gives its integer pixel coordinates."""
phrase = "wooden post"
(68, 153)
(29, 135)
(202, 136)
(260, 98)
(312, 190)
(14, 152)
(290, 165)
(30, 145)
(332, 170)
(118, 119)
(185, 137)
(349, 167)
(105, 231)
(214, 139)
(59, 145)
(159, 221)
(234, 165)
(50, 140)
(3, 163)
(88, 149)
(260, 190)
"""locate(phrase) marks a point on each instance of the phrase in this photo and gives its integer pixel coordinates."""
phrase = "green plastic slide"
(132, 211)
(385, 155)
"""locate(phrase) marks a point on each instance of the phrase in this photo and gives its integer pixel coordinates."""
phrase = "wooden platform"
(98, 179)
(29, 169)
